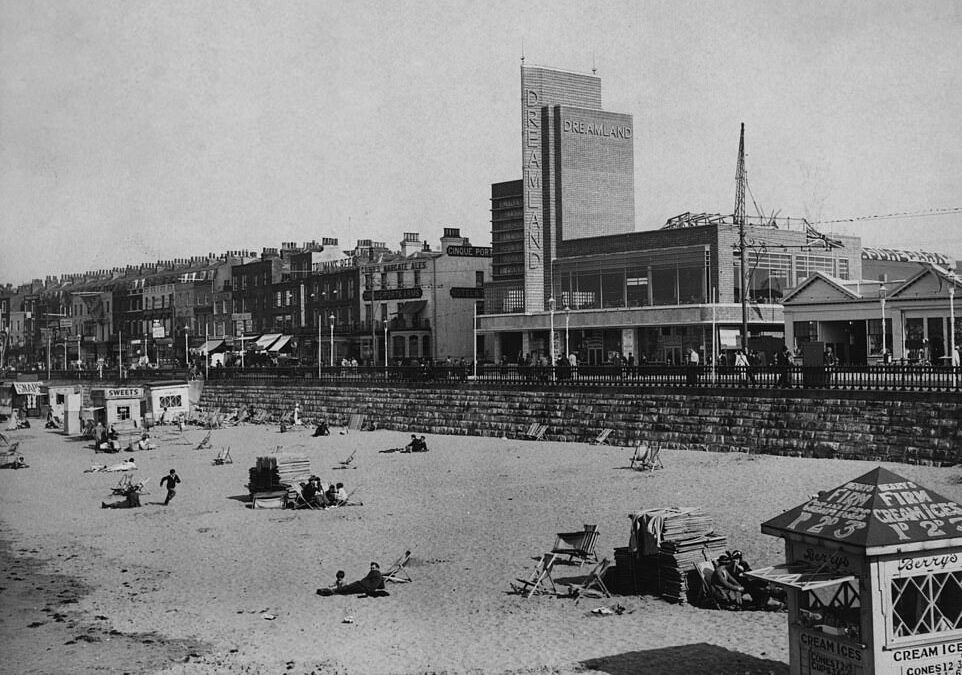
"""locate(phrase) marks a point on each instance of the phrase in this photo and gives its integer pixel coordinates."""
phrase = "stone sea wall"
(916, 428)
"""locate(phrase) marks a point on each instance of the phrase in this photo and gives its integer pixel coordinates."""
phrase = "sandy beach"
(208, 585)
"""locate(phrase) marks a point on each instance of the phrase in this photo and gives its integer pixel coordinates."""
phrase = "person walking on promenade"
(171, 480)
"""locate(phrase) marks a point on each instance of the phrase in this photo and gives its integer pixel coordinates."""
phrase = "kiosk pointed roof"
(879, 509)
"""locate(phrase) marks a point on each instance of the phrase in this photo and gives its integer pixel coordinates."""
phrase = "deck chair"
(536, 431)
(602, 438)
(577, 545)
(287, 418)
(356, 422)
(204, 443)
(594, 583)
(3, 439)
(639, 460)
(347, 463)
(223, 457)
(704, 595)
(539, 580)
(122, 485)
(398, 571)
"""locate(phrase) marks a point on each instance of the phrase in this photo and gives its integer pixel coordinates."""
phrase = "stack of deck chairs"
(665, 543)
(275, 473)
(688, 537)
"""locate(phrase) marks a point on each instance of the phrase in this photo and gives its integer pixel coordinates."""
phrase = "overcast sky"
(136, 130)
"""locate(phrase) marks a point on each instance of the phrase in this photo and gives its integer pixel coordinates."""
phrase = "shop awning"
(265, 341)
(280, 343)
(212, 347)
(802, 576)
(27, 387)
(412, 307)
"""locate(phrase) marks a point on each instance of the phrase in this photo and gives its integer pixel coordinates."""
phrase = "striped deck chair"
(602, 438)
(536, 431)
(356, 422)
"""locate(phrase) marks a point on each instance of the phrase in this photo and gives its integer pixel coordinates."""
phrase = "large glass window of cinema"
(664, 277)
(769, 276)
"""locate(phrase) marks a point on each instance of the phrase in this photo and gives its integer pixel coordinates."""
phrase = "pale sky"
(138, 130)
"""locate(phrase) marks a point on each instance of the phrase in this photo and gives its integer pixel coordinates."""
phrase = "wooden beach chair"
(705, 597)
(639, 459)
(347, 463)
(602, 438)
(536, 432)
(539, 580)
(577, 545)
(594, 583)
(397, 572)
(205, 443)
(356, 422)
(223, 457)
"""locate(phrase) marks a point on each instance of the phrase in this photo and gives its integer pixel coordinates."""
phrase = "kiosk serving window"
(123, 412)
(927, 603)
(834, 609)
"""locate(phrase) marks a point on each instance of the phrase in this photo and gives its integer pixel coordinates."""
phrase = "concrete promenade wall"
(917, 428)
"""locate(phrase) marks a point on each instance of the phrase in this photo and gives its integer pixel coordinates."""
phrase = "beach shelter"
(873, 574)
(29, 396)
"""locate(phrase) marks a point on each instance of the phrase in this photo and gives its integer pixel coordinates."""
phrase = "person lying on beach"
(127, 465)
(145, 443)
(372, 584)
(18, 463)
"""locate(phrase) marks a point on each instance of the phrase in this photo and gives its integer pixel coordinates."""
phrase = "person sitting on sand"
(309, 492)
(724, 584)
(131, 499)
(340, 495)
(422, 445)
(412, 445)
(759, 590)
(322, 429)
(372, 584)
(145, 443)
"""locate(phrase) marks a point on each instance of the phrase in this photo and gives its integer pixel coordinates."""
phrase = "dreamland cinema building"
(566, 258)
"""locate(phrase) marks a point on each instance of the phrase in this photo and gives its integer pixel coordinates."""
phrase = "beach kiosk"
(121, 405)
(171, 396)
(873, 574)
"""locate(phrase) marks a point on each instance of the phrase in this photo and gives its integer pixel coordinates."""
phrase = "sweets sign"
(877, 509)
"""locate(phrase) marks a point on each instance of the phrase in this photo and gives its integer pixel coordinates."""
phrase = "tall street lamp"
(952, 351)
(319, 315)
(331, 317)
(567, 317)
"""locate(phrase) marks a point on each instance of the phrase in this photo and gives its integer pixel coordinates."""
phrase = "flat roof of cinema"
(879, 512)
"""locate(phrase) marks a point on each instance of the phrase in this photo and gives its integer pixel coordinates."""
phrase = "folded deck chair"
(346, 463)
(536, 431)
(602, 438)
(4, 440)
(204, 443)
(223, 457)
(539, 580)
(594, 583)
(398, 571)
(577, 545)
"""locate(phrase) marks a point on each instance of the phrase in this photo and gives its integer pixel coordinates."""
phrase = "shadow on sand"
(686, 660)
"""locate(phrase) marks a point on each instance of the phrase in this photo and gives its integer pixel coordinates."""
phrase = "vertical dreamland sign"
(873, 575)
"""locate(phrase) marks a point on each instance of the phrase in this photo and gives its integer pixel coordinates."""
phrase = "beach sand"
(208, 585)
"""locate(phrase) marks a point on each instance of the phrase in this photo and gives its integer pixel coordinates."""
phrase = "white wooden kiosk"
(172, 396)
(873, 573)
(121, 405)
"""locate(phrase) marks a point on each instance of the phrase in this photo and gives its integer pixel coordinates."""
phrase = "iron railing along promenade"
(894, 377)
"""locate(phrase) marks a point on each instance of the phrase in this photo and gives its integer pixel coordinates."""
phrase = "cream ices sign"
(596, 129)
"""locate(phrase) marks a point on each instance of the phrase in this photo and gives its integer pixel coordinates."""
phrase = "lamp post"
(79, 359)
(319, 315)
(331, 317)
(567, 318)
(385, 343)
(551, 336)
(952, 352)
(881, 293)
